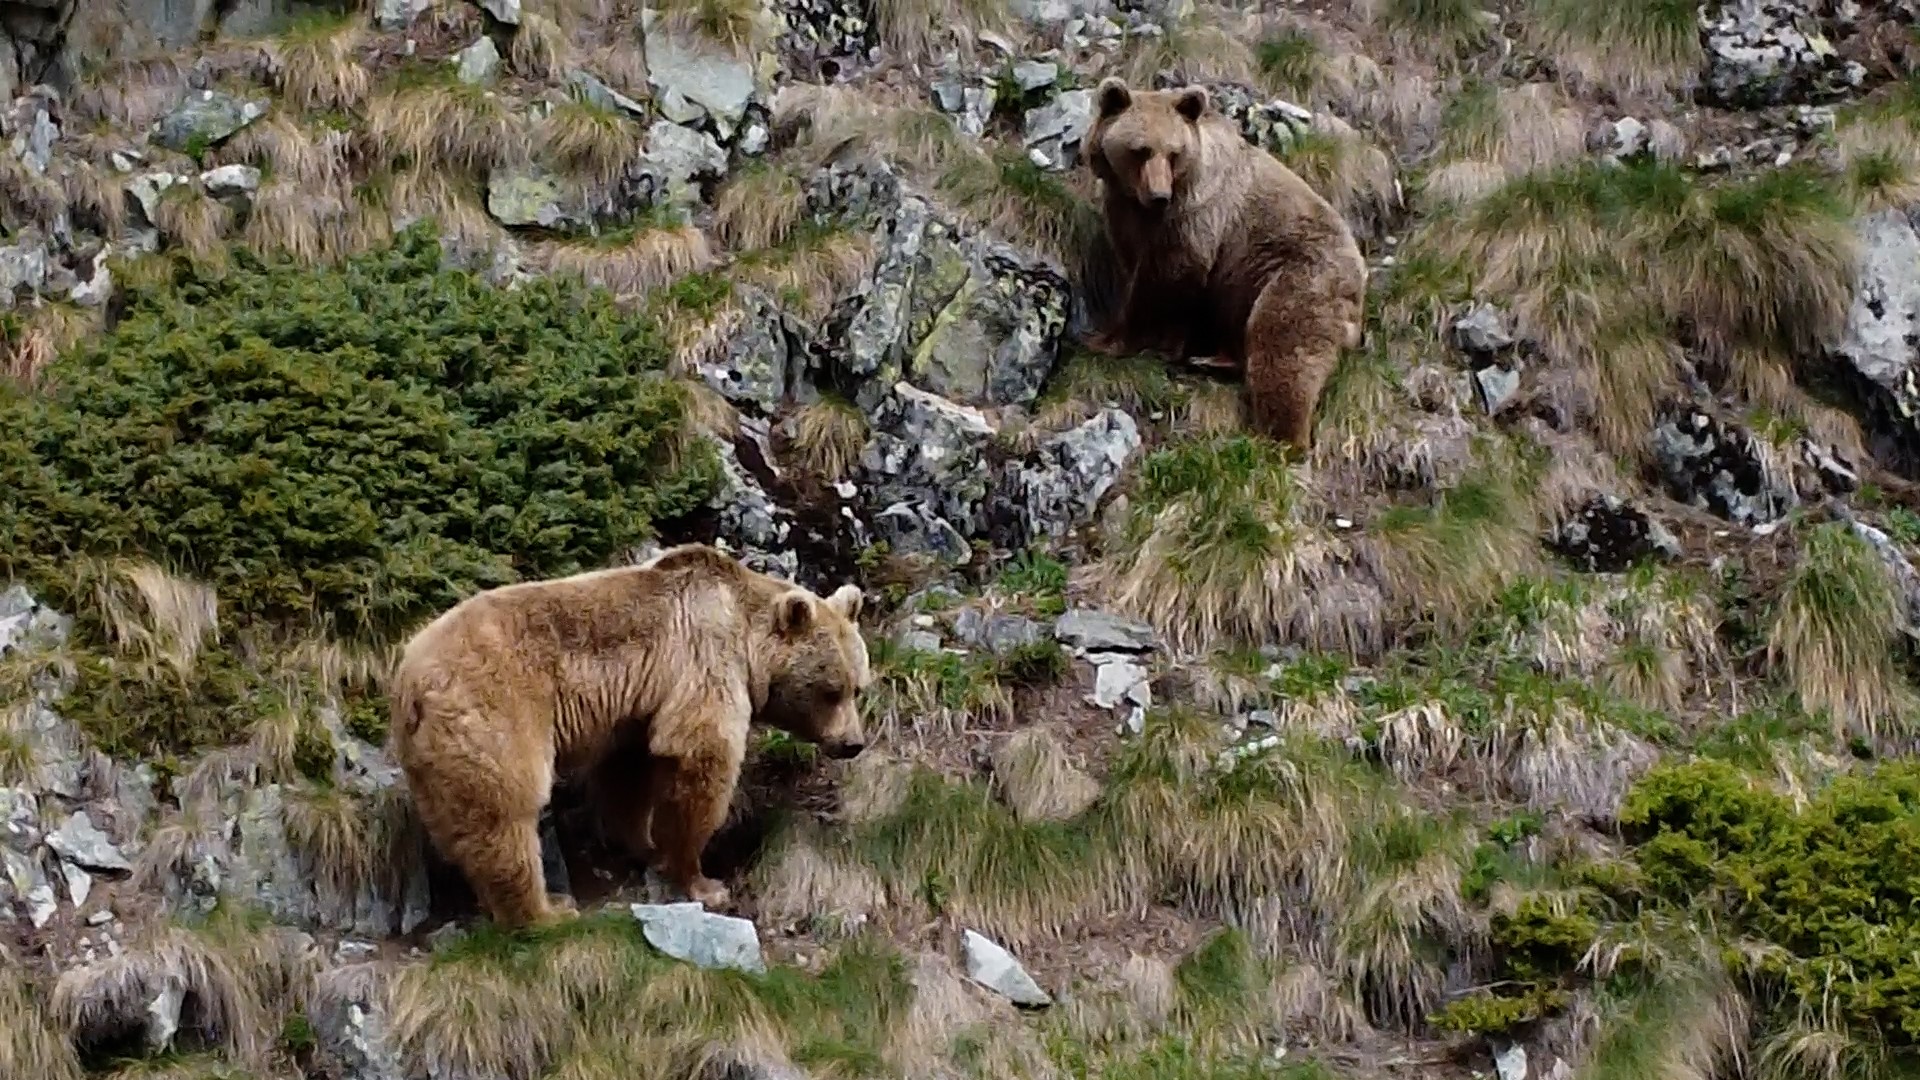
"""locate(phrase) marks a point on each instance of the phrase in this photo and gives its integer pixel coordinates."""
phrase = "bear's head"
(1146, 142)
(816, 669)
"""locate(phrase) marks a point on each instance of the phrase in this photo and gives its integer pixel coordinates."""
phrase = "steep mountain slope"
(1550, 720)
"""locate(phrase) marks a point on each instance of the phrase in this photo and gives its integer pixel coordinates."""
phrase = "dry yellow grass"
(131, 92)
(317, 67)
(156, 616)
(819, 892)
(34, 338)
(758, 208)
(196, 222)
(631, 266)
(280, 143)
(828, 436)
(1833, 636)
(812, 271)
(27, 197)
(1634, 48)
(452, 202)
(455, 129)
(541, 48)
(1034, 775)
(735, 25)
(592, 144)
(30, 1044)
(96, 193)
(1209, 43)
(913, 30)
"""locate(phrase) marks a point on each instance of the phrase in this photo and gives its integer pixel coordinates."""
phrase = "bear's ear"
(1191, 103)
(793, 612)
(847, 601)
(1113, 96)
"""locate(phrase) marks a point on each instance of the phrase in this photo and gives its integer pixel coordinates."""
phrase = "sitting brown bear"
(1223, 251)
(516, 685)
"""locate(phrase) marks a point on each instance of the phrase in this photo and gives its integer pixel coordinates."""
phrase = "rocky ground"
(1546, 722)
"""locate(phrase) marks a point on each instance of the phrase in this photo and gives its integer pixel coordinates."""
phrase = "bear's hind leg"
(503, 866)
(691, 796)
(1294, 337)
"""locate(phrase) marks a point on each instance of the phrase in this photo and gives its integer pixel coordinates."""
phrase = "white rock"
(1512, 1062)
(687, 931)
(995, 968)
(231, 180)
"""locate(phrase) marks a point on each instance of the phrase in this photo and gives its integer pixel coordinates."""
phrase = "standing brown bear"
(1223, 252)
(674, 656)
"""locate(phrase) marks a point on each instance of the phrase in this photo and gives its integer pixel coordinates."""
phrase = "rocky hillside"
(1550, 720)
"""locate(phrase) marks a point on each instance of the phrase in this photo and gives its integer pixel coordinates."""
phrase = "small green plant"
(1035, 663)
(1040, 578)
(1291, 61)
(1490, 1014)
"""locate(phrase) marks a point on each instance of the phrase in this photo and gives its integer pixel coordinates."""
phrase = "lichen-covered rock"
(676, 159)
(1881, 340)
(748, 520)
(923, 462)
(1270, 123)
(206, 119)
(531, 195)
(826, 37)
(1766, 52)
(29, 126)
(686, 931)
(962, 315)
(23, 269)
(996, 632)
(1058, 487)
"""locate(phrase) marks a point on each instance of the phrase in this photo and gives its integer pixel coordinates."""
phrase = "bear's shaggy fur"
(1223, 251)
(517, 685)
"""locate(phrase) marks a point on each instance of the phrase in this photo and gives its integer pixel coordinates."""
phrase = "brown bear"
(517, 685)
(1222, 251)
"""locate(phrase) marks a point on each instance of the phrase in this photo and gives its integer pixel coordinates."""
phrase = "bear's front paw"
(563, 904)
(1105, 343)
(712, 895)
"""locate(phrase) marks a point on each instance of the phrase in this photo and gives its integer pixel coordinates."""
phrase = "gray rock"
(23, 269)
(398, 14)
(1271, 123)
(531, 195)
(1497, 387)
(1881, 339)
(19, 819)
(1482, 331)
(146, 190)
(1117, 681)
(686, 931)
(1897, 563)
(231, 180)
(750, 519)
(34, 131)
(163, 1015)
(599, 94)
(1060, 485)
(693, 80)
(507, 11)
(1720, 467)
(1052, 133)
(677, 158)
(79, 884)
(925, 641)
(997, 632)
(206, 119)
(80, 842)
(1031, 75)
(1098, 631)
(478, 62)
(995, 968)
(971, 104)
(1511, 1062)
(26, 883)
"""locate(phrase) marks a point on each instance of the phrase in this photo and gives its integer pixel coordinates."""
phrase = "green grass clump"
(1835, 632)
(358, 447)
(1636, 46)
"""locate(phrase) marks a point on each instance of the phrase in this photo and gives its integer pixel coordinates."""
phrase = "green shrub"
(365, 444)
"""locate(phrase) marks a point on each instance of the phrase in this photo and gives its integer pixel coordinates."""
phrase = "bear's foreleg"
(502, 863)
(691, 794)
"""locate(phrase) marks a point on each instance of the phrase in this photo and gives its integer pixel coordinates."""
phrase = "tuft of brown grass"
(237, 979)
(1881, 163)
(317, 67)
(913, 30)
(130, 92)
(735, 25)
(1489, 135)
(828, 436)
(27, 197)
(632, 265)
(1206, 44)
(195, 222)
(97, 193)
(30, 1043)
(157, 616)
(1834, 632)
(821, 892)
(281, 145)
(1440, 30)
(1036, 778)
(452, 202)
(31, 340)
(1637, 48)
(812, 270)
(309, 225)
(591, 144)
(541, 48)
(446, 128)
(758, 207)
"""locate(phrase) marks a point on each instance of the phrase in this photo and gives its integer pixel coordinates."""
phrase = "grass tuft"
(445, 128)
(1835, 630)
(31, 1045)
(316, 67)
(758, 208)
(1033, 774)
(630, 264)
(1633, 47)
(592, 144)
(828, 436)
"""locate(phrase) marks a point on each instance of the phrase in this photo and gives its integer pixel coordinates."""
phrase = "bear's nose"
(844, 750)
(1159, 199)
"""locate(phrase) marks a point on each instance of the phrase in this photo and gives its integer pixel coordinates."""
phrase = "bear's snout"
(843, 749)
